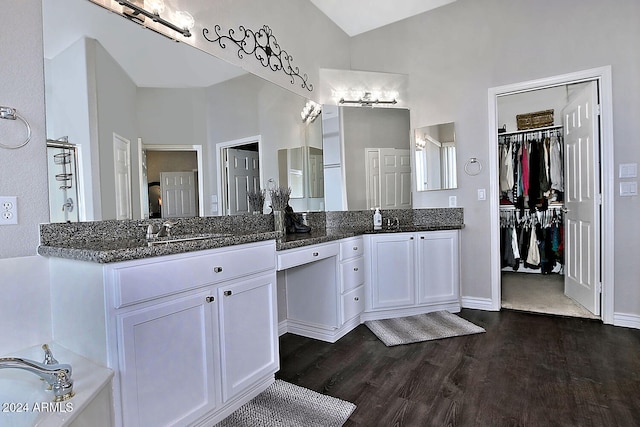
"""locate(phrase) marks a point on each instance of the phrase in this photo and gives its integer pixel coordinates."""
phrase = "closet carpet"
(539, 293)
(527, 370)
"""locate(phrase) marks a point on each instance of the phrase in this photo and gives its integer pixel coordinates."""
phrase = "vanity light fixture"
(157, 7)
(367, 100)
(310, 111)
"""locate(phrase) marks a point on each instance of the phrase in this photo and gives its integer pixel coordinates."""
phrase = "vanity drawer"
(351, 248)
(352, 273)
(138, 282)
(299, 256)
(352, 303)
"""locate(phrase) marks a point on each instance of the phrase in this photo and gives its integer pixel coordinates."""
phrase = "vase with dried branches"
(279, 202)
(256, 200)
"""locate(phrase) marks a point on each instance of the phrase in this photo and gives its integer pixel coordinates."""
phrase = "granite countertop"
(292, 241)
(116, 250)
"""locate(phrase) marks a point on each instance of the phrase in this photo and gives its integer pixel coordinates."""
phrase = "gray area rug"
(286, 404)
(422, 327)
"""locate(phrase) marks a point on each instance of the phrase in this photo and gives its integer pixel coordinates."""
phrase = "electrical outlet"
(8, 210)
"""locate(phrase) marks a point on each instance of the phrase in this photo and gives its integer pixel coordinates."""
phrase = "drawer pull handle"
(422, 237)
(315, 254)
(355, 248)
(355, 269)
(210, 299)
(227, 293)
(217, 269)
(356, 299)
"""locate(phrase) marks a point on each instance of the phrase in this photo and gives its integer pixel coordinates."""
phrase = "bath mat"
(287, 405)
(422, 327)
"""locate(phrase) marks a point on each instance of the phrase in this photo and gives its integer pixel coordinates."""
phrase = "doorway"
(601, 259)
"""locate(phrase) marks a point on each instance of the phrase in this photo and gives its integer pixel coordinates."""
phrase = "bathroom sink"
(186, 238)
(22, 394)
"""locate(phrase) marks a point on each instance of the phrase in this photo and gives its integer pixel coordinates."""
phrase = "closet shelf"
(520, 132)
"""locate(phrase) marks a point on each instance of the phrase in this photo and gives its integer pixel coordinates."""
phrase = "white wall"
(482, 44)
(24, 306)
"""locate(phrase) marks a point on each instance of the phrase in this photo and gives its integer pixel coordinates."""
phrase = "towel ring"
(11, 114)
(473, 167)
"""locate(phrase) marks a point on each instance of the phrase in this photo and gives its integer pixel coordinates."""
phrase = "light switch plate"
(482, 194)
(453, 201)
(628, 170)
(628, 188)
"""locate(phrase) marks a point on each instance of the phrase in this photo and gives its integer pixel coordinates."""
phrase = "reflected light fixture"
(310, 111)
(185, 20)
(368, 100)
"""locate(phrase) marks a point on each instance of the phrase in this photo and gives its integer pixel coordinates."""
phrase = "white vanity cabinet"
(191, 337)
(351, 280)
(324, 285)
(412, 273)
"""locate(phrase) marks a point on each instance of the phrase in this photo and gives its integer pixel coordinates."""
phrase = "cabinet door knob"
(315, 254)
(355, 248)
(356, 299)
(210, 299)
(422, 237)
(411, 238)
(217, 269)
(355, 268)
(227, 293)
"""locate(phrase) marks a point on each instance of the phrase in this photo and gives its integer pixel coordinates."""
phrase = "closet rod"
(530, 130)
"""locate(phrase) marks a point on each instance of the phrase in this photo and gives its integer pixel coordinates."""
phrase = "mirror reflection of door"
(179, 194)
(180, 182)
(388, 172)
(241, 176)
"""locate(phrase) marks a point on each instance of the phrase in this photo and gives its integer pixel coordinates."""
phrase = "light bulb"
(184, 20)
(156, 6)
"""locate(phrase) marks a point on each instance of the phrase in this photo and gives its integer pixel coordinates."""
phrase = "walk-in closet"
(542, 163)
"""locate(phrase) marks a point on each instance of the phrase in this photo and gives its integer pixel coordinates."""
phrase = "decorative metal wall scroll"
(262, 44)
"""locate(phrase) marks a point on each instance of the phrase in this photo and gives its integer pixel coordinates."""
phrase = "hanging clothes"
(556, 165)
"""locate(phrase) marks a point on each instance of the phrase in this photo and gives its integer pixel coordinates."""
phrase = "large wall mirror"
(152, 125)
(148, 127)
(435, 157)
(367, 158)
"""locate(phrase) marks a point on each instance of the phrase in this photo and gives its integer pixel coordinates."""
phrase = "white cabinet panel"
(352, 303)
(438, 269)
(352, 273)
(248, 333)
(167, 364)
(392, 270)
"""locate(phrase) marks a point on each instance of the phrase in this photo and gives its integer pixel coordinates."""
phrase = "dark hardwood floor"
(526, 370)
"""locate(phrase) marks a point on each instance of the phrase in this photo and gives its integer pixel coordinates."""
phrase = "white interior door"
(243, 176)
(122, 169)
(178, 191)
(582, 219)
(395, 178)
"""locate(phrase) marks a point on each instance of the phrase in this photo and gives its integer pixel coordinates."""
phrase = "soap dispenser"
(377, 220)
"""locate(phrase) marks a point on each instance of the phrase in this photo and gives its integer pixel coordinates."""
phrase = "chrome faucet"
(165, 229)
(57, 375)
(393, 224)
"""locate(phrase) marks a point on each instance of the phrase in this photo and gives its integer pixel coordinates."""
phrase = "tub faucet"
(57, 375)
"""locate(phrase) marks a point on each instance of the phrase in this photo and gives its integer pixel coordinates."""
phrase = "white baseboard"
(317, 332)
(478, 303)
(452, 307)
(626, 320)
